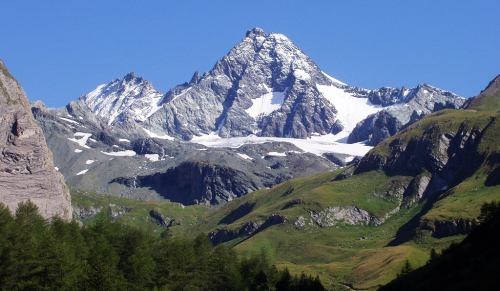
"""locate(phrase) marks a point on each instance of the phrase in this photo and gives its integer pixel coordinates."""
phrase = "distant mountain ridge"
(265, 86)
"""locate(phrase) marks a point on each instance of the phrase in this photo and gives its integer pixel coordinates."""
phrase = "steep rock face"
(26, 167)
(405, 107)
(197, 183)
(439, 152)
(447, 228)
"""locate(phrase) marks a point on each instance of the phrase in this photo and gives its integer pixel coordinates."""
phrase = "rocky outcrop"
(160, 219)
(437, 158)
(441, 229)
(350, 215)
(219, 236)
(83, 213)
(196, 183)
(27, 170)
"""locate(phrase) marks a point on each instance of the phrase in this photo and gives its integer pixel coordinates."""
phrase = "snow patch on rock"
(266, 104)
(154, 135)
(127, 153)
(82, 172)
(82, 140)
(246, 157)
(153, 157)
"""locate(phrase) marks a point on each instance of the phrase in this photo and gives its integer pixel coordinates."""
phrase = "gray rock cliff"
(27, 171)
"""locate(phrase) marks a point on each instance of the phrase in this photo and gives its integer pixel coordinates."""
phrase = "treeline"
(39, 255)
(469, 265)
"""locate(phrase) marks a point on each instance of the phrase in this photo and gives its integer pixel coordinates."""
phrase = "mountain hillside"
(26, 168)
(469, 265)
(488, 99)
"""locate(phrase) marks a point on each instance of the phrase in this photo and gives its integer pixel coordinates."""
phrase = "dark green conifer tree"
(6, 228)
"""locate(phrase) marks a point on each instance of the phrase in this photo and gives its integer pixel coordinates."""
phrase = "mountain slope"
(470, 265)
(488, 99)
(26, 167)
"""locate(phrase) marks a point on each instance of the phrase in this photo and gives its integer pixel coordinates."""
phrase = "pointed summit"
(129, 77)
(256, 32)
(264, 86)
(133, 98)
(195, 79)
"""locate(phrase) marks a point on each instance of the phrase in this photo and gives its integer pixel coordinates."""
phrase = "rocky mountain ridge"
(265, 86)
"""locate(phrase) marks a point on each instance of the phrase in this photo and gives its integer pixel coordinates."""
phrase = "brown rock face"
(26, 166)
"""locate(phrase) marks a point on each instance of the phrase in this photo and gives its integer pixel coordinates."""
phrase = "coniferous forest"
(36, 254)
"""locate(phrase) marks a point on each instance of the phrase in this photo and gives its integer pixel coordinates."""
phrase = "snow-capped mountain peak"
(133, 97)
(264, 86)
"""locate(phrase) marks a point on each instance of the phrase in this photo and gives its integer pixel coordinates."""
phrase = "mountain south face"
(265, 86)
(26, 168)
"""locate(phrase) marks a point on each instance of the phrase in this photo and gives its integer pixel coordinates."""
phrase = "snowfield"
(317, 145)
(121, 154)
(351, 110)
(152, 157)
(266, 104)
(152, 134)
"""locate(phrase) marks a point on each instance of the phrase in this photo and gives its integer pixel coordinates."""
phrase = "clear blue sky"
(59, 50)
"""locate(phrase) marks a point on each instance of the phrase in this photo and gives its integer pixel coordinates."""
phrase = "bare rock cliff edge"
(27, 170)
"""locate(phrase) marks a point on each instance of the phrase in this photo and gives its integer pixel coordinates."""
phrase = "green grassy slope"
(137, 213)
(470, 265)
